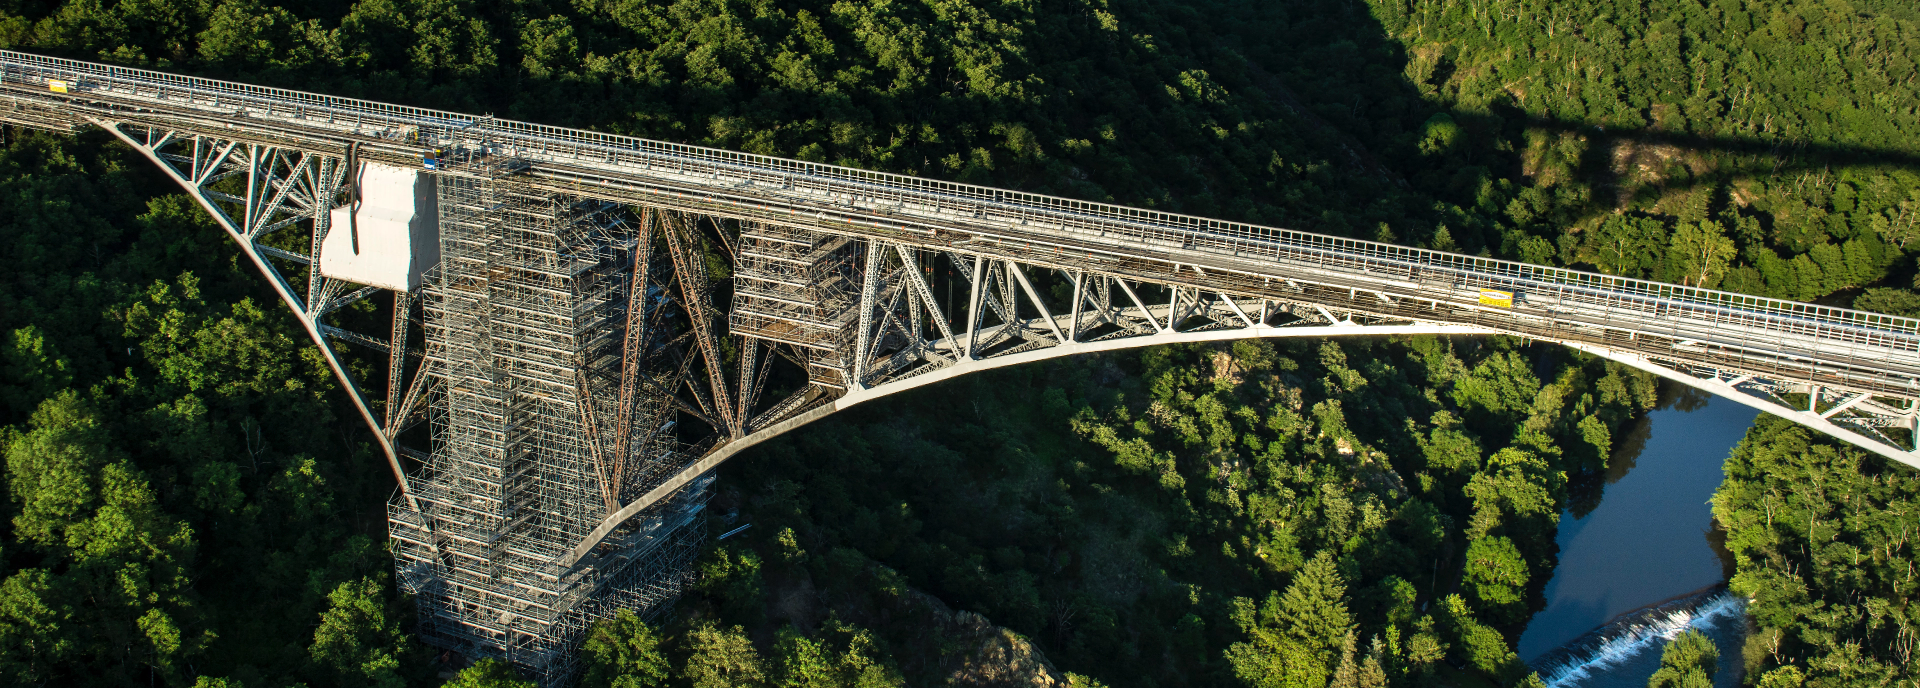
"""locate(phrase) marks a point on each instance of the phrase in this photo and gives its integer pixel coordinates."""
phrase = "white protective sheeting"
(389, 236)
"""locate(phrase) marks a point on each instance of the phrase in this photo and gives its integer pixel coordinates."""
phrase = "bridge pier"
(534, 441)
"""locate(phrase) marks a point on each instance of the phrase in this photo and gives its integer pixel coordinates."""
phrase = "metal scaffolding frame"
(796, 287)
(528, 320)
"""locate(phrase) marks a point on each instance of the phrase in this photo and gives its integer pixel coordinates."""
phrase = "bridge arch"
(1765, 396)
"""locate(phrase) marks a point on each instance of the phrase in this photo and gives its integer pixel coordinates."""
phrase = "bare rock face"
(998, 658)
(1224, 367)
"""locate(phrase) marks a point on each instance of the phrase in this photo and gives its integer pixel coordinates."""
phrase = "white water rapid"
(1636, 636)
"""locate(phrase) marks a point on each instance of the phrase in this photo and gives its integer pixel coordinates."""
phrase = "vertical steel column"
(749, 352)
(916, 324)
(397, 356)
(332, 172)
(633, 346)
(973, 306)
(869, 288)
(1079, 284)
(1173, 307)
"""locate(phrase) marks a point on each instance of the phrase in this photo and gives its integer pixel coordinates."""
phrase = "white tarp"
(389, 236)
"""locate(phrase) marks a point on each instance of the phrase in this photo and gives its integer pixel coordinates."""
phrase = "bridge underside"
(581, 351)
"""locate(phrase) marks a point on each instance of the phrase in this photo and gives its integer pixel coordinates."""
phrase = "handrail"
(1190, 232)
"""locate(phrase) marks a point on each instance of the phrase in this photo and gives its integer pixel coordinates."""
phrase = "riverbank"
(1640, 560)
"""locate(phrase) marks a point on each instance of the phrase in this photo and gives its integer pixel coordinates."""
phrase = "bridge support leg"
(320, 175)
(979, 279)
(1079, 292)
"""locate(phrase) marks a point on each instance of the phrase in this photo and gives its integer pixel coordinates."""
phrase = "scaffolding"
(535, 442)
(799, 287)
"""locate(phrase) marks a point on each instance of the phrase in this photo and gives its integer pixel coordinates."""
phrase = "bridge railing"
(1150, 228)
(1616, 295)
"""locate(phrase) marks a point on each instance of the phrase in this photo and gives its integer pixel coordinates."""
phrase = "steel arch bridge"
(599, 317)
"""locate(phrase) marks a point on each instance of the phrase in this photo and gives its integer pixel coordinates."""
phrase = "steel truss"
(609, 312)
(273, 202)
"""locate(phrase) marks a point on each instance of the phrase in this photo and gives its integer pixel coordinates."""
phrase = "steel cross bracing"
(586, 361)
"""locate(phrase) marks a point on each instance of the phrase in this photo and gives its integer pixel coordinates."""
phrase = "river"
(1639, 561)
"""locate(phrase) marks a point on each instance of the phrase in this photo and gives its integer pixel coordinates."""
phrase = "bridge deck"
(1823, 345)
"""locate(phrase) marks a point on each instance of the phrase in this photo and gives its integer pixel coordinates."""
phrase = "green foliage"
(358, 634)
(1821, 538)
(53, 470)
(1783, 677)
(1293, 638)
(1364, 673)
(34, 635)
(123, 577)
(840, 656)
(1288, 482)
(1440, 135)
(623, 652)
(1701, 254)
(1081, 681)
(32, 371)
(1502, 386)
(734, 576)
(723, 658)
(1517, 491)
(489, 673)
(1313, 610)
(1890, 301)
(1277, 663)
(1496, 575)
(1688, 661)
(1646, 136)
(1484, 648)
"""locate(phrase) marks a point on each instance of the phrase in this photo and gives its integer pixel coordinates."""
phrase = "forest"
(191, 502)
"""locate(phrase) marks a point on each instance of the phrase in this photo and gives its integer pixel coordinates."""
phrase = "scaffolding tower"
(535, 439)
(799, 287)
